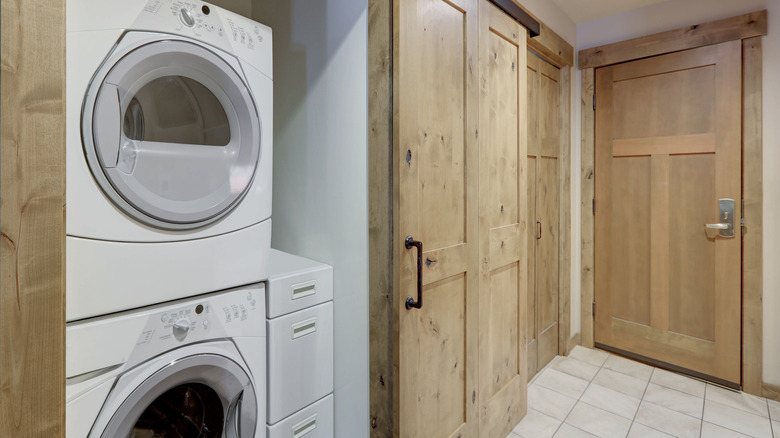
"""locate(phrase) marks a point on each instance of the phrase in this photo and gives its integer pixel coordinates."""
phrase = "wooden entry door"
(544, 137)
(436, 169)
(668, 147)
(503, 224)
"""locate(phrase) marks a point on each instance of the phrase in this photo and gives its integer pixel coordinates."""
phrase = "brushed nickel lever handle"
(725, 228)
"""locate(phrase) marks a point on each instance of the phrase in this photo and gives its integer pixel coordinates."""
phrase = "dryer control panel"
(247, 39)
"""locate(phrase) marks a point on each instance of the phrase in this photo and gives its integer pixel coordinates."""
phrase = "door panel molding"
(749, 29)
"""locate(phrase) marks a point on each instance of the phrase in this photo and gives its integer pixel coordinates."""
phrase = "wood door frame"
(380, 180)
(749, 28)
(32, 292)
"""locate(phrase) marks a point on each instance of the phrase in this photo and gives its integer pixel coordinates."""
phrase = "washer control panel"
(239, 312)
(195, 320)
(136, 335)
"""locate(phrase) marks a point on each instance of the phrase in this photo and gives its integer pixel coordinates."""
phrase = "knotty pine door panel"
(503, 223)
(435, 173)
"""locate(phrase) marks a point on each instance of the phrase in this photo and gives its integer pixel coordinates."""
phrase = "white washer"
(169, 152)
(194, 367)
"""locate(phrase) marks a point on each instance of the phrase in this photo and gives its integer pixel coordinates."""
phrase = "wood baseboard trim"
(574, 341)
(771, 391)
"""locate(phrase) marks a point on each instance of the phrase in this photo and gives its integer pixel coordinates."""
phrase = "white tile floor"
(592, 393)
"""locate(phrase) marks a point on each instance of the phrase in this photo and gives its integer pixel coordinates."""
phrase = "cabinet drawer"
(300, 360)
(296, 283)
(315, 421)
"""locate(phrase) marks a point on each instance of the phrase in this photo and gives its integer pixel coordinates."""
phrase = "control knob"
(186, 17)
(181, 328)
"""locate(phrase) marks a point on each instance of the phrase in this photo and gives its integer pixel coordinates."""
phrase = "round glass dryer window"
(171, 134)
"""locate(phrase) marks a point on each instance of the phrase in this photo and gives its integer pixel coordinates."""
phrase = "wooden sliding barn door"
(668, 159)
(502, 222)
(435, 172)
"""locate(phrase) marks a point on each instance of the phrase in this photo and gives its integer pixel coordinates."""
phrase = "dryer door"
(171, 133)
(206, 395)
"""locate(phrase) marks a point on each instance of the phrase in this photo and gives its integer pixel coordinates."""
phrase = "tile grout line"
(533, 381)
(703, 404)
(743, 411)
(676, 389)
(641, 400)
(706, 387)
(742, 408)
(590, 382)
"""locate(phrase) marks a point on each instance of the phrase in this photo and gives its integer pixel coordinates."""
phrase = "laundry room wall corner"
(320, 199)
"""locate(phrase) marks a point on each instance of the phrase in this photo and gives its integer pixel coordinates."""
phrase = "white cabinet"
(313, 421)
(300, 347)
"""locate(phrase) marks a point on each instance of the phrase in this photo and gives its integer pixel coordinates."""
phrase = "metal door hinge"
(742, 210)
(742, 218)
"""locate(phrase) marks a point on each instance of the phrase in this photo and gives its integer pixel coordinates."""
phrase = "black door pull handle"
(539, 228)
(410, 302)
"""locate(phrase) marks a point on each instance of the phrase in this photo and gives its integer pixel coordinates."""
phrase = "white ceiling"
(581, 11)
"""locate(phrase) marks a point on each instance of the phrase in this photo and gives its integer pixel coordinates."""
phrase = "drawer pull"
(304, 328)
(305, 426)
(304, 289)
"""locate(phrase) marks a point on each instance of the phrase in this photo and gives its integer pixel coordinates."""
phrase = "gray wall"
(241, 7)
(320, 207)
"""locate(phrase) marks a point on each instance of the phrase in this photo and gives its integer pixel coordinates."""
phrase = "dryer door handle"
(107, 125)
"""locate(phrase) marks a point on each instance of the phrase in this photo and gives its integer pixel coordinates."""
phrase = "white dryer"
(191, 368)
(169, 152)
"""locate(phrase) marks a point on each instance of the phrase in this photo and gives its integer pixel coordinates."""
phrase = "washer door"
(206, 396)
(171, 134)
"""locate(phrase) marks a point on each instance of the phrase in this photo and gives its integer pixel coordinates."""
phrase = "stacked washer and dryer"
(169, 159)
